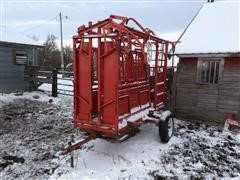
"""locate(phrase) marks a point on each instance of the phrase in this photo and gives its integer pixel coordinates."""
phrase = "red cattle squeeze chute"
(115, 89)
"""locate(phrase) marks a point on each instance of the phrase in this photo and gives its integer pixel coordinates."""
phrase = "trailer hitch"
(72, 147)
(79, 144)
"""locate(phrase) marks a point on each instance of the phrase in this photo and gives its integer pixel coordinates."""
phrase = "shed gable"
(214, 30)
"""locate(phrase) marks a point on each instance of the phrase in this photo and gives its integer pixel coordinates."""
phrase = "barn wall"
(207, 103)
(12, 75)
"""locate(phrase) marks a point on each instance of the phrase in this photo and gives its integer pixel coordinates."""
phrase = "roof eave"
(20, 44)
(209, 54)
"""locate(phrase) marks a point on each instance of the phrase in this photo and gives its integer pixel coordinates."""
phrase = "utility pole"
(61, 41)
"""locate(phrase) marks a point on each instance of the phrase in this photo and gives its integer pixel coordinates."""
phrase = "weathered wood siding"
(207, 103)
(12, 75)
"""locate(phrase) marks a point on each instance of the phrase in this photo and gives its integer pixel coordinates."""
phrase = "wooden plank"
(186, 85)
(231, 72)
(40, 80)
(230, 69)
(229, 98)
(186, 76)
(185, 81)
(32, 68)
(208, 87)
(206, 92)
(231, 79)
(229, 86)
(234, 102)
(187, 92)
(201, 114)
(201, 117)
(207, 105)
(225, 111)
(230, 92)
(70, 85)
(208, 98)
(39, 73)
(204, 112)
(191, 72)
(37, 68)
(186, 103)
(65, 90)
(65, 94)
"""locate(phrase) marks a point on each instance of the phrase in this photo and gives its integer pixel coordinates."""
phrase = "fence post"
(31, 75)
(54, 82)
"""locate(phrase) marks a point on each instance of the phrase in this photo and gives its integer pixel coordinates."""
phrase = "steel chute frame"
(112, 74)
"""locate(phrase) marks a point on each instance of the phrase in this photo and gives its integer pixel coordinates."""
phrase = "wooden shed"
(13, 59)
(208, 74)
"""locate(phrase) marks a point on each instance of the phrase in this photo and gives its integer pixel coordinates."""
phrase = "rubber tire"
(163, 130)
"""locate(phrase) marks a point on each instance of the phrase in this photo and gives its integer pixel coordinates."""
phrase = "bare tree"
(49, 55)
(67, 55)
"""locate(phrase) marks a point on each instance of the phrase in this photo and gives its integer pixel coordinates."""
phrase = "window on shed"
(21, 57)
(209, 71)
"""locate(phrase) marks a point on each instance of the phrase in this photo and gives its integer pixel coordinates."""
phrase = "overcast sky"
(21, 20)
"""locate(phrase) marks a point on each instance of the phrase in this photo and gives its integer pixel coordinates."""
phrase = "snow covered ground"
(34, 129)
(193, 152)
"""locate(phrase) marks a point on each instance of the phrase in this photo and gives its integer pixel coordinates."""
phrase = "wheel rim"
(170, 127)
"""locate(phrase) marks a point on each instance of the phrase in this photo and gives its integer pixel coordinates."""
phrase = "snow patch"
(122, 124)
(164, 115)
(137, 116)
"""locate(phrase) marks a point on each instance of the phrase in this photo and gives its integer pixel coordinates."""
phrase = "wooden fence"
(61, 82)
(65, 83)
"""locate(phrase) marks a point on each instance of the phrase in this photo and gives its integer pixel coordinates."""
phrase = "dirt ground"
(33, 133)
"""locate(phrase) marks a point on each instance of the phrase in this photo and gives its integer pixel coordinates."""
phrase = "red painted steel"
(232, 124)
(112, 74)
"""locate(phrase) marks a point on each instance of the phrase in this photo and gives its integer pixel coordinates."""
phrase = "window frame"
(220, 73)
(15, 57)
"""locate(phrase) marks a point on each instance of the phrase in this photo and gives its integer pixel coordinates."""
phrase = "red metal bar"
(99, 24)
(79, 144)
(233, 123)
(75, 83)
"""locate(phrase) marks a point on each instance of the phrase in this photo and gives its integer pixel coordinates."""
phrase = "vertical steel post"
(75, 87)
(156, 74)
(90, 52)
(99, 78)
